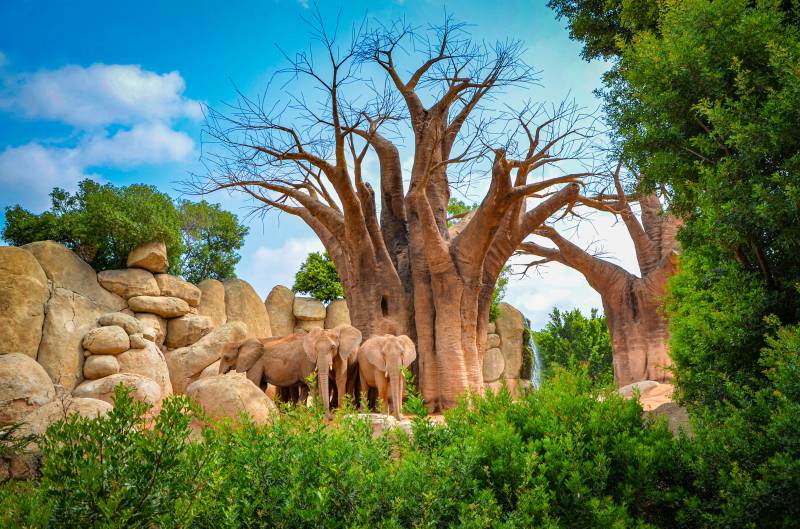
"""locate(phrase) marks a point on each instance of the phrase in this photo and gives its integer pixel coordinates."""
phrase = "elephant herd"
(356, 367)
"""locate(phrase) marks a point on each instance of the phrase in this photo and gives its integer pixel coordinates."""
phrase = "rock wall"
(503, 360)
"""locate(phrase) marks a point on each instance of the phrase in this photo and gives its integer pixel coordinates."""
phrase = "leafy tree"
(103, 223)
(211, 237)
(571, 340)
(318, 278)
(499, 293)
(704, 101)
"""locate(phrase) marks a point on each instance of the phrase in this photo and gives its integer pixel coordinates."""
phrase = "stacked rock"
(289, 313)
(123, 350)
(502, 360)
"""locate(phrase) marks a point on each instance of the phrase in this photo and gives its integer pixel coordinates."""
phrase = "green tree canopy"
(318, 278)
(211, 237)
(572, 340)
(102, 223)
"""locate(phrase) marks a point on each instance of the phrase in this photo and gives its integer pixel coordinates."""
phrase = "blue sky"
(113, 91)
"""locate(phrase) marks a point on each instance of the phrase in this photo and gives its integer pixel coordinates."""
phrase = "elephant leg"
(383, 391)
(302, 394)
(341, 387)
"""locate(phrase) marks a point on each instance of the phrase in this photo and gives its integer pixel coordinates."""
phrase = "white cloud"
(30, 171)
(100, 95)
(270, 266)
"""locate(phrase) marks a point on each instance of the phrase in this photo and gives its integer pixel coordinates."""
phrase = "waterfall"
(536, 372)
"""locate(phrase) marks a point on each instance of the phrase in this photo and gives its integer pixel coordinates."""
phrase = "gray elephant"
(287, 361)
(379, 361)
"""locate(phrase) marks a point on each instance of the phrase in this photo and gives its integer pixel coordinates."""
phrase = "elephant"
(379, 361)
(287, 361)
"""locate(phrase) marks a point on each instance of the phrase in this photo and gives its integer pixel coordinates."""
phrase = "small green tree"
(103, 223)
(211, 237)
(571, 340)
(318, 278)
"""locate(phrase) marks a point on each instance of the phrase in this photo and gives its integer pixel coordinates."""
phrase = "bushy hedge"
(569, 455)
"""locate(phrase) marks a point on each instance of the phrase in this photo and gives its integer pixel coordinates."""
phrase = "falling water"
(536, 372)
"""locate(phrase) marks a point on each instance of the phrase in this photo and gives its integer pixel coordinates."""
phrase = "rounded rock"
(106, 340)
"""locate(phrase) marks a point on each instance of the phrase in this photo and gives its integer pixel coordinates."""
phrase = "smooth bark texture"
(402, 270)
(632, 304)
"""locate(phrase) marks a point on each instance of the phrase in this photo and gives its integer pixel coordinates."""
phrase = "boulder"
(187, 362)
(280, 303)
(166, 307)
(243, 304)
(492, 340)
(643, 387)
(151, 256)
(153, 325)
(307, 325)
(677, 417)
(493, 364)
(186, 330)
(308, 309)
(210, 371)
(23, 294)
(129, 282)
(138, 340)
(40, 420)
(491, 328)
(337, 314)
(106, 340)
(69, 317)
(121, 319)
(68, 271)
(230, 395)
(100, 366)
(178, 288)
(212, 301)
(144, 389)
(510, 325)
(148, 362)
(24, 386)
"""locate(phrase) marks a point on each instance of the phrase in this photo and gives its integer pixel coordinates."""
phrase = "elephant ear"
(349, 340)
(249, 353)
(373, 352)
(310, 341)
(409, 350)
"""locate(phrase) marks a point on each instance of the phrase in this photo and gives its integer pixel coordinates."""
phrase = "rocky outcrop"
(243, 304)
(308, 309)
(166, 307)
(178, 288)
(212, 301)
(230, 395)
(69, 317)
(66, 270)
(106, 340)
(143, 388)
(280, 303)
(151, 256)
(186, 363)
(149, 362)
(23, 294)
(129, 282)
(493, 364)
(186, 330)
(24, 386)
(100, 366)
(510, 325)
(337, 314)
(153, 324)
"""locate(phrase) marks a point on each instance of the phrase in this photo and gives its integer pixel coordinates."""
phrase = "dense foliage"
(103, 223)
(570, 455)
(571, 340)
(318, 278)
(211, 237)
(703, 97)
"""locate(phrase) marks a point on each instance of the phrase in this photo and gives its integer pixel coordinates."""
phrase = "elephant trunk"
(323, 373)
(396, 391)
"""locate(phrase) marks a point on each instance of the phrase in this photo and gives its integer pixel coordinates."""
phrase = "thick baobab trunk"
(639, 331)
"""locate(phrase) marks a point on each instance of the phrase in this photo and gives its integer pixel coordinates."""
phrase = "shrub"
(318, 278)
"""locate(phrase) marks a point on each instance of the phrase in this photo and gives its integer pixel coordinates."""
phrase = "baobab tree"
(402, 271)
(633, 304)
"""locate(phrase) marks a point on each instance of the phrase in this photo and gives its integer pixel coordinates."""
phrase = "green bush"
(318, 278)
(571, 340)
